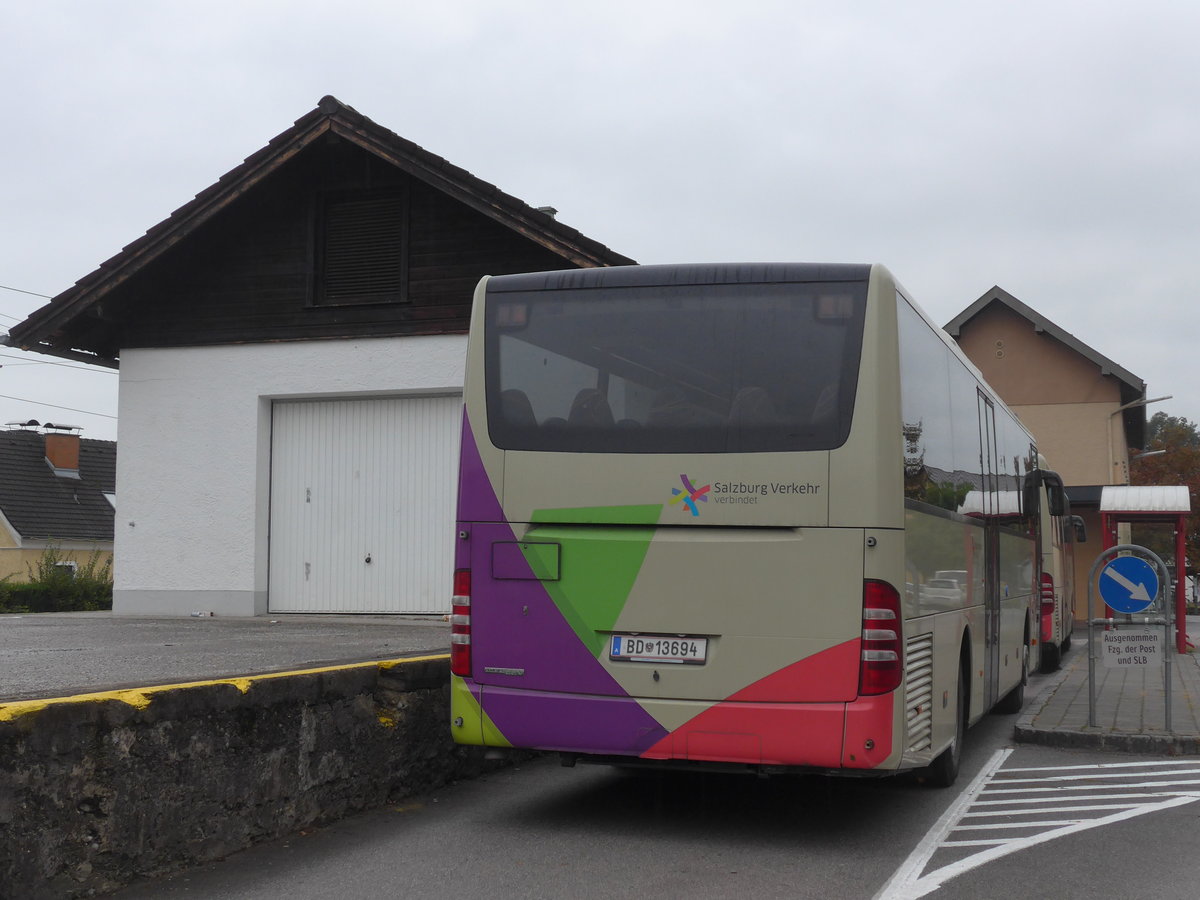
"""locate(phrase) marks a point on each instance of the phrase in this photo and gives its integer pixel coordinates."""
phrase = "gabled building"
(1086, 411)
(56, 492)
(291, 346)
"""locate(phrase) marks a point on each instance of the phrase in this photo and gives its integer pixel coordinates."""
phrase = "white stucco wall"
(193, 472)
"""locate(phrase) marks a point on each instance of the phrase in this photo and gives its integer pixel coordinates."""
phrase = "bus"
(1059, 531)
(701, 509)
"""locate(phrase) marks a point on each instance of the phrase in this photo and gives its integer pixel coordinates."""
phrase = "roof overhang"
(1146, 499)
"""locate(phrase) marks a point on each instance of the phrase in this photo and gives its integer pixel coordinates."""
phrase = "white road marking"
(1053, 809)
(1142, 764)
(1063, 788)
(992, 826)
(897, 887)
(914, 878)
(1093, 777)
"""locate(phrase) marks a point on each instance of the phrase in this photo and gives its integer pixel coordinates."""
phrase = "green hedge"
(55, 587)
(66, 596)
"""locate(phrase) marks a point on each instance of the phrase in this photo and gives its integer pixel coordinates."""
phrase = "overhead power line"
(99, 370)
(5, 287)
(86, 412)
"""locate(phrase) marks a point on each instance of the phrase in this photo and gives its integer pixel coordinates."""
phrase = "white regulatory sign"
(1131, 649)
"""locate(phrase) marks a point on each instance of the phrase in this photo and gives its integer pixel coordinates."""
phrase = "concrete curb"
(1156, 743)
(1033, 710)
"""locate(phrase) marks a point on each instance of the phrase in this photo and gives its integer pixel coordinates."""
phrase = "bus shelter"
(1165, 504)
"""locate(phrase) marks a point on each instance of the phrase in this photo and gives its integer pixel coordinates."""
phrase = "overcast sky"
(1050, 148)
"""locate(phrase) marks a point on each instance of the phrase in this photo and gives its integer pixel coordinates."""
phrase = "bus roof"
(670, 275)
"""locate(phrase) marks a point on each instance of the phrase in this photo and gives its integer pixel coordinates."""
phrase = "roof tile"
(43, 506)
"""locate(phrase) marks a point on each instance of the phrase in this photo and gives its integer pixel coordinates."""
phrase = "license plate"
(658, 648)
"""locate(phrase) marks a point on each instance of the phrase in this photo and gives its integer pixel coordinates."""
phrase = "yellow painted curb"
(141, 697)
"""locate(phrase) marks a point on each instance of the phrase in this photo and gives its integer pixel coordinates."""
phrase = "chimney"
(62, 450)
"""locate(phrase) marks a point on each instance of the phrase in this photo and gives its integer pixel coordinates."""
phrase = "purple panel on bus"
(477, 500)
(515, 619)
(516, 624)
(567, 721)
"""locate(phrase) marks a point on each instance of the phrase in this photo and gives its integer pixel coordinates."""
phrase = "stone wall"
(104, 789)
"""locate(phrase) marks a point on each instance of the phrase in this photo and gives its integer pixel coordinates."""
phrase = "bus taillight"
(882, 665)
(1047, 607)
(460, 624)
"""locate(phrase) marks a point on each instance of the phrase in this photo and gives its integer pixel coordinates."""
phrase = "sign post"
(1130, 584)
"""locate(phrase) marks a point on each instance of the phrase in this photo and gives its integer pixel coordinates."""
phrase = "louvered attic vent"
(364, 254)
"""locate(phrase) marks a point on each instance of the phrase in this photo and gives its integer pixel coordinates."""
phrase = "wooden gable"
(337, 229)
(338, 244)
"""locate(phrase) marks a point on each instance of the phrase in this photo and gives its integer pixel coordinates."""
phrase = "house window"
(362, 249)
(66, 567)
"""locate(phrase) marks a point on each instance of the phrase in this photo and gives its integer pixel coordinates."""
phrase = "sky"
(1051, 148)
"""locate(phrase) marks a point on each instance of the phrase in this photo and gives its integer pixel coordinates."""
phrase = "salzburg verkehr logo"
(690, 495)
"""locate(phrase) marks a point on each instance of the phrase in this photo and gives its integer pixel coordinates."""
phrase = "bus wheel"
(943, 771)
(1051, 656)
(1015, 699)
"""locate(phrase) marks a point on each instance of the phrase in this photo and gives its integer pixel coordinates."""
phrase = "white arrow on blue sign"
(1128, 584)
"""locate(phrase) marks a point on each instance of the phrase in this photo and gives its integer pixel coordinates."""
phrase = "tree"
(1162, 430)
(1179, 464)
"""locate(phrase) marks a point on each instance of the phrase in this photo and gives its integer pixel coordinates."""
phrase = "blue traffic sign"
(1128, 584)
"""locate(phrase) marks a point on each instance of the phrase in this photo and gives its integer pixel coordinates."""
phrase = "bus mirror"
(1055, 495)
(1080, 529)
(1030, 491)
(1058, 500)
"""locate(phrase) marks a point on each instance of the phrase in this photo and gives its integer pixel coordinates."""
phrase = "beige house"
(56, 492)
(1086, 411)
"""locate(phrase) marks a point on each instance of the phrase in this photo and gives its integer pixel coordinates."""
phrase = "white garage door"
(362, 504)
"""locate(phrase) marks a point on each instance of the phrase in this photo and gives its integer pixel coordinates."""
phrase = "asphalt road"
(62, 654)
(542, 831)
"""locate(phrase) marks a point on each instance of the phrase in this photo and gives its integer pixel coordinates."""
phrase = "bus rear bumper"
(843, 735)
(853, 735)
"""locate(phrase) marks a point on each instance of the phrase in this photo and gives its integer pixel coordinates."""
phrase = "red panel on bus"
(821, 677)
(747, 729)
